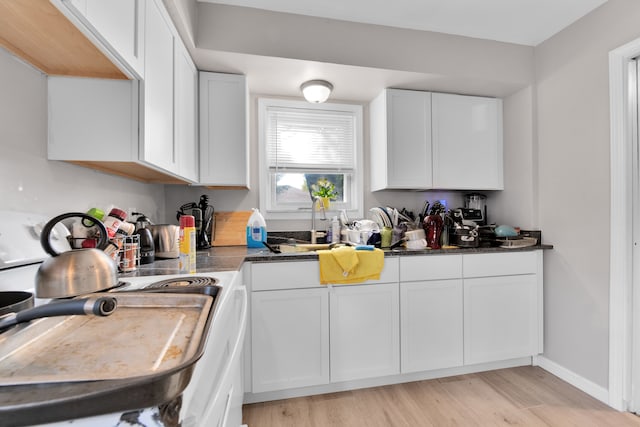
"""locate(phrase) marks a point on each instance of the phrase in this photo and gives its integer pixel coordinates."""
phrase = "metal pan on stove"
(15, 301)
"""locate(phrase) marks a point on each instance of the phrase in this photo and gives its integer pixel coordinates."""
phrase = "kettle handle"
(45, 237)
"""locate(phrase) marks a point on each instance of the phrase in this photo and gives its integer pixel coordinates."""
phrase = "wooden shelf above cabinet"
(132, 170)
(39, 33)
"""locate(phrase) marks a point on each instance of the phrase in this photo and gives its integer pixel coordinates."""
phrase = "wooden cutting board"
(231, 228)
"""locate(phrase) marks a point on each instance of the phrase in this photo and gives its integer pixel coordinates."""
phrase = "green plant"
(324, 189)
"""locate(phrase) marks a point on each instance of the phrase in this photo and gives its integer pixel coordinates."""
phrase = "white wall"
(516, 204)
(573, 183)
(31, 183)
(259, 32)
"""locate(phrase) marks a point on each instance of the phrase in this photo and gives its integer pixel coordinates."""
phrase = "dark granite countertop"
(225, 258)
(266, 256)
(231, 258)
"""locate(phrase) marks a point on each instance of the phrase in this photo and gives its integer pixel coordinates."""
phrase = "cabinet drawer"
(430, 267)
(389, 273)
(285, 275)
(502, 264)
(305, 274)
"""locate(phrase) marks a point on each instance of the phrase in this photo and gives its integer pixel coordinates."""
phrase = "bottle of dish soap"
(335, 230)
(256, 230)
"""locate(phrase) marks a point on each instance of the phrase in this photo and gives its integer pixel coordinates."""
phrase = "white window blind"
(299, 139)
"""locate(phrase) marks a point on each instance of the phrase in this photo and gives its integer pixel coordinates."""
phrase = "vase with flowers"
(325, 191)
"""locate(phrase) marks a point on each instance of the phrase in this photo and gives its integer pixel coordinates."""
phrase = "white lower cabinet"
(426, 313)
(500, 318)
(431, 325)
(364, 329)
(289, 338)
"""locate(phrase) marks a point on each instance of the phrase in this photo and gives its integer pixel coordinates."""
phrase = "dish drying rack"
(522, 242)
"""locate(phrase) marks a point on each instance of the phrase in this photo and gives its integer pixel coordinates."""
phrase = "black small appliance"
(147, 246)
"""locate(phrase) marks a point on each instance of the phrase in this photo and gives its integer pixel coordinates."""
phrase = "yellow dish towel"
(346, 265)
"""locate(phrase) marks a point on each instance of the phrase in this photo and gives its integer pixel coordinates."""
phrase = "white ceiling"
(526, 22)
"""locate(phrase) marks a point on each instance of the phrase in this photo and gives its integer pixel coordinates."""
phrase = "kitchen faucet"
(315, 200)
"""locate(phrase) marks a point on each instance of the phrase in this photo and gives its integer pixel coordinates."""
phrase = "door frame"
(621, 217)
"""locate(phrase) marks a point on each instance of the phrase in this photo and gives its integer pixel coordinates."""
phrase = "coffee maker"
(475, 208)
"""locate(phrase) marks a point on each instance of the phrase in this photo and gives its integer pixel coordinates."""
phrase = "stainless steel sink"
(303, 247)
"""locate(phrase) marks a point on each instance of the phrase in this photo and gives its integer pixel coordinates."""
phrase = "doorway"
(624, 303)
(634, 110)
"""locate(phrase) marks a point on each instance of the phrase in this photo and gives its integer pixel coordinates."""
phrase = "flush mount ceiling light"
(316, 91)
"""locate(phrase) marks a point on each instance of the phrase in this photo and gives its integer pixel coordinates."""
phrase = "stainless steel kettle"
(166, 239)
(75, 272)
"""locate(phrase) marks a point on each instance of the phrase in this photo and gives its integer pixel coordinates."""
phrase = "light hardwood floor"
(524, 396)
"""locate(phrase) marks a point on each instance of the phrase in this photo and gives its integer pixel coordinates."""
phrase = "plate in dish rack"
(519, 243)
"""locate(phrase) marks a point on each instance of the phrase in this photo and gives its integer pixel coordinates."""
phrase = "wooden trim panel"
(40, 34)
(132, 170)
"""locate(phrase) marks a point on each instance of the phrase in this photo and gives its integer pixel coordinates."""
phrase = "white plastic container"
(256, 230)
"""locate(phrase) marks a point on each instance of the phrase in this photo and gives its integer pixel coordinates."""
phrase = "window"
(303, 144)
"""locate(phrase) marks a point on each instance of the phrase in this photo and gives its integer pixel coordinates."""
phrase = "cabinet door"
(224, 153)
(158, 146)
(431, 325)
(289, 339)
(365, 327)
(92, 119)
(500, 318)
(467, 142)
(401, 140)
(186, 140)
(120, 23)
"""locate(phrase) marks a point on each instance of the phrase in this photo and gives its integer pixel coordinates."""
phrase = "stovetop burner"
(198, 281)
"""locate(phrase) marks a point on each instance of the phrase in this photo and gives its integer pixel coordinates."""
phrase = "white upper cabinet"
(467, 142)
(119, 24)
(144, 129)
(92, 119)
(224, 142)
(186, 114)
(158, 147)
(401, 140)
(422, 140)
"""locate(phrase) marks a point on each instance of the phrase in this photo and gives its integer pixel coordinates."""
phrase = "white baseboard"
(589, 387)
(381, 381)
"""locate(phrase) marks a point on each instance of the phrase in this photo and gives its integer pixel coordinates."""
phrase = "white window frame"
(357, 186)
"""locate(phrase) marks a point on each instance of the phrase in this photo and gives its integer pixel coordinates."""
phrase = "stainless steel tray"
(143, 355)
(148, 333)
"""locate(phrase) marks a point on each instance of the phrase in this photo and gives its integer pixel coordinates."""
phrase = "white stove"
(213, 396)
